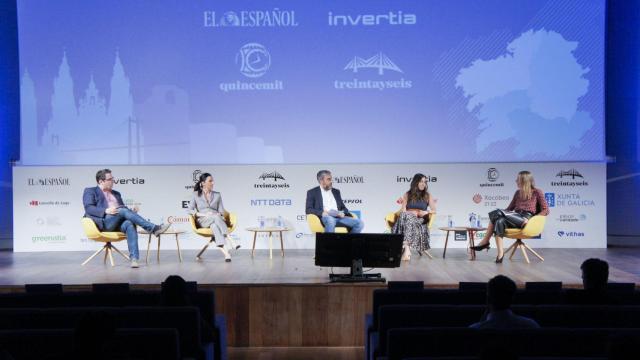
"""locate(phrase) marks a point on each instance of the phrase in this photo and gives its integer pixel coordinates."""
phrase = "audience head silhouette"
(93, 333)
(500, 292)
(174, 291)
(595, 274)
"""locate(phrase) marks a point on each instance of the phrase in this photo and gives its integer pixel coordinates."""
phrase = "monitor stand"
(357, 275)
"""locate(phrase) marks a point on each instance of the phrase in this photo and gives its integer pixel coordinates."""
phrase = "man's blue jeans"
(126, 220)
(355, 225)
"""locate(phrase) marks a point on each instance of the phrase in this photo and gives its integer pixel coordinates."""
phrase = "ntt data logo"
(271, 202)
(392, 18)
(251, 18)
(253, 61)
(379, 64)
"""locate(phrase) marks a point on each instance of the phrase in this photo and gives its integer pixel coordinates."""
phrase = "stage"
(287, 301)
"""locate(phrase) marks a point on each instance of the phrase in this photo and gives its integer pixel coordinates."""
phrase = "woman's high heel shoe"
(499, 259)
(480, 247)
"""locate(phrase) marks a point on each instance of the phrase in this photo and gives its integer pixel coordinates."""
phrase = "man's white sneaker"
(134, 263)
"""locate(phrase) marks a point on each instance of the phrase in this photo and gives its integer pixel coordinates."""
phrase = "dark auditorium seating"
(555, 286)
(186, 320)
(420, 342)
(110, 288)
(146, 344)
(43, 288)
(472, 286)
(405, 285)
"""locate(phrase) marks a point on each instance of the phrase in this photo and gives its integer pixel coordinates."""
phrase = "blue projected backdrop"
(178, 82)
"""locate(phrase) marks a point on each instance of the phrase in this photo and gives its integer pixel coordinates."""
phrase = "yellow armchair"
(315, 225)
(534, 227)
(230, 218)
(107, 237)
(392, 217)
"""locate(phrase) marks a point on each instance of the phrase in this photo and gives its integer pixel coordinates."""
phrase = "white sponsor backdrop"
(48, 199)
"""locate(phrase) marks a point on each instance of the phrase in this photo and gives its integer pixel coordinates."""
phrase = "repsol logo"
(352, 201)
(271, 202)
(129, 181)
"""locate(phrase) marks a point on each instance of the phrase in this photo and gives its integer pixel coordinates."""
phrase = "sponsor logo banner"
(273, 18)
(391, 18)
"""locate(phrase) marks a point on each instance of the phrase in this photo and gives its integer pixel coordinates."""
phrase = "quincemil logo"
(48, 203)
(392, 18)
(570, 177)
(407, 179)
(379, 63)
(271, 180)
(253, 60)
(48, 181)
(492, 178)
(352, 179)
(570, 234)
(568, 200)
(251, 18)
(49, 239)
(571, 218)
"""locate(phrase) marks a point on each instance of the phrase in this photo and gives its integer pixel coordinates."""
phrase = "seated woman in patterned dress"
(416, 207)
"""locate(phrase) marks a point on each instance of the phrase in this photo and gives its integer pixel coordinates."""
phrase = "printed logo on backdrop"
(48, 221)
(195, 177)
(49, 239)
(492, 179)
(271, 202)
(48, 203)
(568, 200)
(271, 180)
(48, 181)
(129, 181)
(391, 18)
(301, 217)
(353, 179)
(250, 18)
(570, 177)
(253, 60)
(177, 219)
(407, 179)
(367, 68)
(491, 200)
(570, 218)
(130, 203)
(570, 234)
(352, 201)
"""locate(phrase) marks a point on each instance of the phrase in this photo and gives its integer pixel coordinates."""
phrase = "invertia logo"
(392, 18)
(129, 181)
(407, 179)
(572, 174)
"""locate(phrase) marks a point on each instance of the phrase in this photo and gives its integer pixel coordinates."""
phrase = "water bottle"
(478, 225)
(449, 221)
(280, 224)
(472, 220)
(261, 221)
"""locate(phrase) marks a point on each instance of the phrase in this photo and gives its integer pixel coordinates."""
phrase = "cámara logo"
(48, 181)
(273, 177)
(251, 18)
(392, 18)
(48, 203)
(570, 177)
(177, 219)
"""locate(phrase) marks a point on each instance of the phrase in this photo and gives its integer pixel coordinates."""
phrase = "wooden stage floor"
(297, 267)
(287, 302)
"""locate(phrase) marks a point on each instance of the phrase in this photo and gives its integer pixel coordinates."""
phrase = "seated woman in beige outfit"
(206, 206)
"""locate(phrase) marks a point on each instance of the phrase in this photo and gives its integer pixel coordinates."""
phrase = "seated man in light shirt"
(326, 202)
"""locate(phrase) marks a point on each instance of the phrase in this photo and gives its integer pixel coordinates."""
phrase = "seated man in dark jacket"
(325, 202)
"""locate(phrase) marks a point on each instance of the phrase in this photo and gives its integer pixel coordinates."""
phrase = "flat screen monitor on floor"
(375, 250)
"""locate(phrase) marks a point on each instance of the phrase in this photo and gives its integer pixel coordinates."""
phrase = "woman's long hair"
(526, 184)
(198, 186)
(414, 193)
